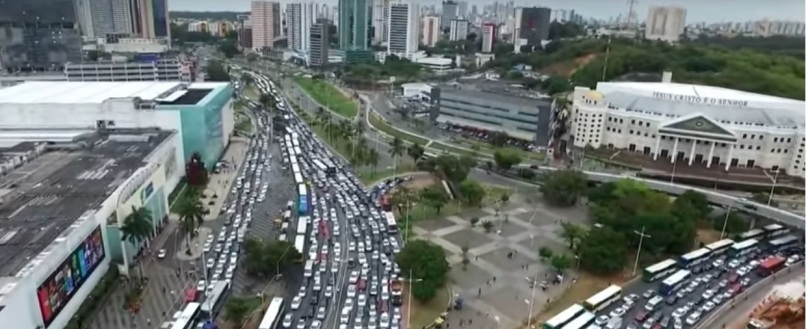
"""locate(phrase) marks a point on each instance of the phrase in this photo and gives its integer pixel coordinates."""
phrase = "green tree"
(265, 259)
(691, 205)
(396, 149)
(416, 152)
(449, 167)
(137, 226)
(191, 213)
(488, 226)
(236, 310)
(506, 158)
(372, 159)
(545, 252)
(426, 263)
(434, 197)
(563, 187)
(603, 251)
(560, 262)
(402, 199)
(472, 192)
(215, 71)
(499, 139)
(572, 234)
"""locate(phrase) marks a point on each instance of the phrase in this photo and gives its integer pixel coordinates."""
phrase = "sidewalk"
(220, 184)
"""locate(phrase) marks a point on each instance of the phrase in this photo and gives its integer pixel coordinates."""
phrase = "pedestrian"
(148, 321)
(494, 279)
(469, 321)
(479, 291)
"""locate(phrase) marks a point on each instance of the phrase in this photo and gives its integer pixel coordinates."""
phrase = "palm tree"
(358, 131)
(320, 114)
(396, 149)
(191, 216)
(416, 152)
(373, 158)
(345, 130)
(137, 226)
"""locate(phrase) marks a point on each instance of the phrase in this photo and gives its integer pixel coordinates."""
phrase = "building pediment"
(698, 125)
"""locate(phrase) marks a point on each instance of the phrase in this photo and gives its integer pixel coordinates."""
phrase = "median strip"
(328, 96)
(383, 126)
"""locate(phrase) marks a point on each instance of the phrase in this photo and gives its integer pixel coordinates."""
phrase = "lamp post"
(640, 243)
(408, 306)
(725, 224)
(772, 190)
(531, 303)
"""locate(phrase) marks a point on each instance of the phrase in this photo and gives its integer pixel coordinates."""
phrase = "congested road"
(348, 248)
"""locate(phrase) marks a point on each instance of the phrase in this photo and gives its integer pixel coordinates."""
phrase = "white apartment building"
(404, 32)
(302, 16)
(487, 37)
(458, 30)
(380, 20)
(665, 23)
(265, 18)
(430, 30)
(710, 126)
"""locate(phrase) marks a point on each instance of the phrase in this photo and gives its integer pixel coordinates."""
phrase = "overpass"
(714, 197)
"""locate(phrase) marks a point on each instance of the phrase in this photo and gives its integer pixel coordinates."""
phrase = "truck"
(397, 297)
(386, 204)
(771, 265)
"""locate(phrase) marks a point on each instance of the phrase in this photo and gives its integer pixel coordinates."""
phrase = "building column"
(710, 155)
(657, 148)
(691, 156)
(730, 156)
(674, 149)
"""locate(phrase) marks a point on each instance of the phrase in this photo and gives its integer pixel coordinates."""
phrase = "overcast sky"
(698, 10)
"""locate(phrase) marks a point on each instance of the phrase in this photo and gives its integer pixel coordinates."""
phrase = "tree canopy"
(427, 265)
(603, 251)
(563, 187)
(506, 158)
(263, 257)
(739, 68)
(472, 192)
(216, 72)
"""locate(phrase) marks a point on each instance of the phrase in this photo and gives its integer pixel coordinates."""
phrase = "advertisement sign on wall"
(62, 284)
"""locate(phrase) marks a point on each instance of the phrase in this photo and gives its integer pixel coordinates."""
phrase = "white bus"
(719, 247)
(603, 299)
(674, 282)
(295, 169)
(215, 300)
(298, 178)
(271, 319)
(581, 322)
(694, 258)
(743, 248)
(298, 150)
(390, 221)
(299, 244)
(559, 320)
(302, 226)
(188, 318)
(774, 230)
(752, 234)
(784, 243)
(659, 270)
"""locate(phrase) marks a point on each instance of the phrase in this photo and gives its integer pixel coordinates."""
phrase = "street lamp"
(772, 190)
(725, 224)
(640, 243)
(411, 281)
(531, 303)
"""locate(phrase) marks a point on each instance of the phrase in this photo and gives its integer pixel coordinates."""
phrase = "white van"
(308, 272)
(652, 303)
(614, 323)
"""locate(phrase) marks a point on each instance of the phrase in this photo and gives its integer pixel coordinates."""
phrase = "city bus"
(302, 225)
(719, 247)
(674, 282)
(299, 244)
(559, 320)
(581, 322)
(743, 248)
(298, 178)
(783, 244)
(215, 300)
(188, 318)
(694, 258)
(391, 224)
(659, 270)
(295, 169)
(603, 299)
(752, 234)
(302, 208)
(771, 265)
(774, 230)
(271, 319)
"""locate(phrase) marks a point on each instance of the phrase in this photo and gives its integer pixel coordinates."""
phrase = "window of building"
(789, 140)
(632, 121)
(741, 147)
(620, 120)
(744, 136)
(631, 132)
(760, 137)
(758, 148)
(786, 150)
(775, 140)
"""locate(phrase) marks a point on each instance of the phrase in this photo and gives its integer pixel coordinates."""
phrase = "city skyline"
(698, 11)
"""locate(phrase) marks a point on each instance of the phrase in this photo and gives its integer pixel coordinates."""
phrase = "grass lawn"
(369, 176)
(424, 314)
(586, 286)
(381, 124)
(328, 96)
(455, 150)
(251, 92)
(485, 149)
(252, 322)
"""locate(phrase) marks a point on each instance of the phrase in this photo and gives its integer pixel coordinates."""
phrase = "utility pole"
(772, 190)
(631, 12)
(640, 244)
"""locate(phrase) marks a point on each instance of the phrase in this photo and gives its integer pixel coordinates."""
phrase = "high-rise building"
(449, 12)
(665, 23)
(379, 20)
(461, 10)
(244, 26)
(99, 18)
(265, 18)
(353, 31)
(404, 30)
(320, 43)
(487, 37)
(458, 29)
(151, 20)
(531, 26)
(431, 30)
(39, 35)
(302, 16)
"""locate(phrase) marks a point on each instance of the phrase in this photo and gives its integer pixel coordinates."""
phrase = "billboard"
(69, 276)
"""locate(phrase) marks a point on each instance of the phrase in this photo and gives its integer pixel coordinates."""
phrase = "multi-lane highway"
(347, 243)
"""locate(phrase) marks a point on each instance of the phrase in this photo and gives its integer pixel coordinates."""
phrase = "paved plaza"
(493, 285)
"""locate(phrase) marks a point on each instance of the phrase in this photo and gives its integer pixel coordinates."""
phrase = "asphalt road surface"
(348, 250)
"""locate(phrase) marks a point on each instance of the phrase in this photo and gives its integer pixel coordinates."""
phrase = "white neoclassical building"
(705, 125)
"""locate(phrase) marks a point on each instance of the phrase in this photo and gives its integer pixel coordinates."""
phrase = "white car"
(693, 318)
(329, 291)
(602, 320)
(161, 254)
(287, 320)
(296, 302)
(362, 301)
(708, 306)
(210, 263)
(201, 285)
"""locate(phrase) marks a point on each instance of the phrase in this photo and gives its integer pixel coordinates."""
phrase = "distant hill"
(207, 15)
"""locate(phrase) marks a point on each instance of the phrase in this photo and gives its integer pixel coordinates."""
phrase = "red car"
(641, 316)
(733, 277)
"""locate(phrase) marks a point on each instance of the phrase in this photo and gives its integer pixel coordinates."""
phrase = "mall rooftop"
(40, 200)
(80, 92)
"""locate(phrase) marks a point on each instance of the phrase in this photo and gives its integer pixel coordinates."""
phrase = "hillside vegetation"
(740, 68)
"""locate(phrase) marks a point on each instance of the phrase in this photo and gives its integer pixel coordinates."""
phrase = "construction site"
(783, 308)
